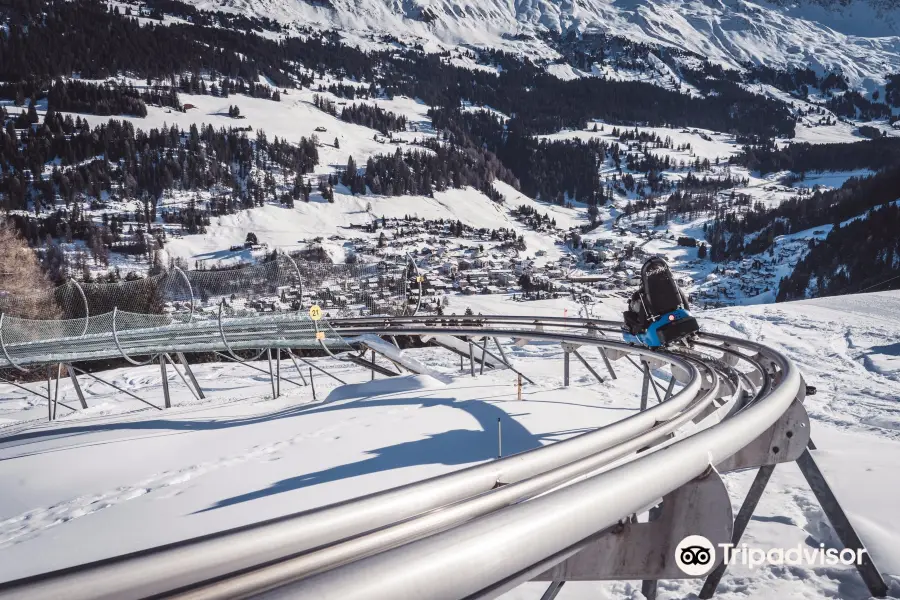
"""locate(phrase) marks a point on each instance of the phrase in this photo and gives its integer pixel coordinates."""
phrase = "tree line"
(857, 256)
(802, 157)
(728, 230)
(425, 172)
(373, 117)
(116, 159)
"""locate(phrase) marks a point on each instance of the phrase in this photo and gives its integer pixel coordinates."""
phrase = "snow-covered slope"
(856, 39)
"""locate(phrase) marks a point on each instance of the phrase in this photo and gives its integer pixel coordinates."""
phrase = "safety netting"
(260, 306)
(281, 284)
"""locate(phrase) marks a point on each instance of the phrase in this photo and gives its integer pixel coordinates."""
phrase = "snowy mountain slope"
(240, 456)
(859, 40)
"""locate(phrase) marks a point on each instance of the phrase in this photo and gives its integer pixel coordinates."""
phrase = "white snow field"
(121, 476)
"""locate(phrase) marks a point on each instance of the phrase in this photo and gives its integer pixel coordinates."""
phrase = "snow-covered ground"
(125, 476)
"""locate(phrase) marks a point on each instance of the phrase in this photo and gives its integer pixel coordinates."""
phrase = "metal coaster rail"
(471, 533)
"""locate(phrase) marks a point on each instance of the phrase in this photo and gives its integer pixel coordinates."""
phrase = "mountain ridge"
(860, 39)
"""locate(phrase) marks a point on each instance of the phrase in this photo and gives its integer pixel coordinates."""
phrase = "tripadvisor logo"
(696, 556)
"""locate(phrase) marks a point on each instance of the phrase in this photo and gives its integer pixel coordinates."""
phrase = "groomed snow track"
(476, 532)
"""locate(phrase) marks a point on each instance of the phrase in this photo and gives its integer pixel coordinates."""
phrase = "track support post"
(49, 394)
(670, 389)
(553, 590)
(165, 380)
(271, 373)
(587, 365)
(296, 366)
(609, 366)
(740, 524)
(187, 369)
(841, 524)
(502, 353)
(76, 385)
(645, 385)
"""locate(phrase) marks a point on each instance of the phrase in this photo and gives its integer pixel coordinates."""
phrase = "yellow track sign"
(315, 312)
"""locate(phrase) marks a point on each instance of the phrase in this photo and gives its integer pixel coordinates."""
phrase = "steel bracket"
(784, 441)
(646, 551)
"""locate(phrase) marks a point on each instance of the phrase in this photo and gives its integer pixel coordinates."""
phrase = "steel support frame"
(317, 368)
(552, 590)
(870, 574)
(633, 549)
(647, 370)
(508, 365)
(587, 365)
(76, 385)
(255, 368)
(39, 394)
(184, 379)
(190, 373)
(645, 385)
(165, 380)
(609, 366)
(847, 534)
(115, 387)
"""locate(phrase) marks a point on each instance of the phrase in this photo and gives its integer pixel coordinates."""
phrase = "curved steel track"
(472, 533)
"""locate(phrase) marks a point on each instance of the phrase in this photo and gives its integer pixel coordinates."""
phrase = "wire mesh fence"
(259, 306)
(281, 284)
(118, 334)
